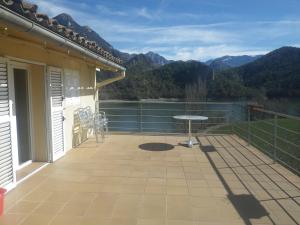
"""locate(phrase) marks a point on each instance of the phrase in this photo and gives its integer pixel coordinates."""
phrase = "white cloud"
(200, 53)
(143, 12)
(188, 34)
(213, 51)
(105, 10)
(52, 8)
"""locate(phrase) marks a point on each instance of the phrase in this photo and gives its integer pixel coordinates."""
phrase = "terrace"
(148, 179)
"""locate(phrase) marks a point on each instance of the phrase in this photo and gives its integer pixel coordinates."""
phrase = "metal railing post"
(275, 131)
(231, 120)
(249, 126)
(141, 117)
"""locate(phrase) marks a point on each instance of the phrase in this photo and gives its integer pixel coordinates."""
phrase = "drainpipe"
(109, 81)
(25, 25)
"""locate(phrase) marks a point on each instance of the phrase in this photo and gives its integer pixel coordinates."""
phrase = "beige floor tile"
(176, 182)
(179, 208)
(155, 189)
(180, 222)
(48, 208)
(208, 202)
(132, 189)
(102, 205)
(123, 221)
(219, 192)
(82, 197)
(127, 206)
(177, 190)
(23, 207)
(71, 209)
(153, 207)
(178, 175)
(37, 220)
(59, 197)
(199, 191)
(151, 222)
(37, 196)
(156, 181)
(196, 183)
(96, 220)
(64, 220)
(134, 181)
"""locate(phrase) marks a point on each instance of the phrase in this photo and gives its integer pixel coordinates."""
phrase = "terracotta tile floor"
(131, 180)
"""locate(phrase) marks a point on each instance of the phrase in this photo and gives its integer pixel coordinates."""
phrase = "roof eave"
(27, 25)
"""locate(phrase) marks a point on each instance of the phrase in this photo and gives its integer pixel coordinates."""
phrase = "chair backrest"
(103, 114)
(89, 112)
(99, 120)
(83, 116)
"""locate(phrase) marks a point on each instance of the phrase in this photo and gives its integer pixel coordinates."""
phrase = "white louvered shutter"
(6, 160)
(55, 90)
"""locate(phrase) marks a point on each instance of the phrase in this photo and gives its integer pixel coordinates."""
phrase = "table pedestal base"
(190, 143)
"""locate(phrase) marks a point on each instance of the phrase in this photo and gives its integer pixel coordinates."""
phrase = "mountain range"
(275, 75)
(227, 61)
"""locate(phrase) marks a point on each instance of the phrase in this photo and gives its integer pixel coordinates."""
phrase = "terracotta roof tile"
(29, 11)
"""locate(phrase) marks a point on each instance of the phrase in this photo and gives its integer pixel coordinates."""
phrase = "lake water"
(147, 116)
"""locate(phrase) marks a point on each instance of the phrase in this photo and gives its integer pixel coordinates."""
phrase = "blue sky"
(187, 29)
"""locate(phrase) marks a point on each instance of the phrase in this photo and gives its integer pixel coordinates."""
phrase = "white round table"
(190, 142)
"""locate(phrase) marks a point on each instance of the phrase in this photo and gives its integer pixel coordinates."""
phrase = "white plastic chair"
(105, 120)
(99, 124)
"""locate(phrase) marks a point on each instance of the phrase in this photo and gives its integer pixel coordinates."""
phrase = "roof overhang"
(27, 26)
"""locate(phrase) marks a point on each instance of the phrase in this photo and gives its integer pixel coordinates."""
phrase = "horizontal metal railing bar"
(160, 122)
(240, 128)
(153, 116)
(271, 124)
(108, 115)
(257, 146)
(187, 110)
(165, 102)
(288, 130)
(287, 153)
(276, 113)
(264, 121)
(138, 129)
(124, 121)
(261, 130)
(181, 134)
(288, 142)
(166, 110)
(176, 123)
(138, 122)
(123, 108)
(125, 128)
(151, 128)
(268, 143)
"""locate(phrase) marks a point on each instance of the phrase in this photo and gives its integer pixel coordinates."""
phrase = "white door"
(56, 120)
(7, 175)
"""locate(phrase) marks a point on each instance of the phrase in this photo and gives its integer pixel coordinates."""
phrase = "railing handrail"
(168, 102)
(276, 113)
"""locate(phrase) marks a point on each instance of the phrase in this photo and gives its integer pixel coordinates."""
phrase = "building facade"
(47, 72)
